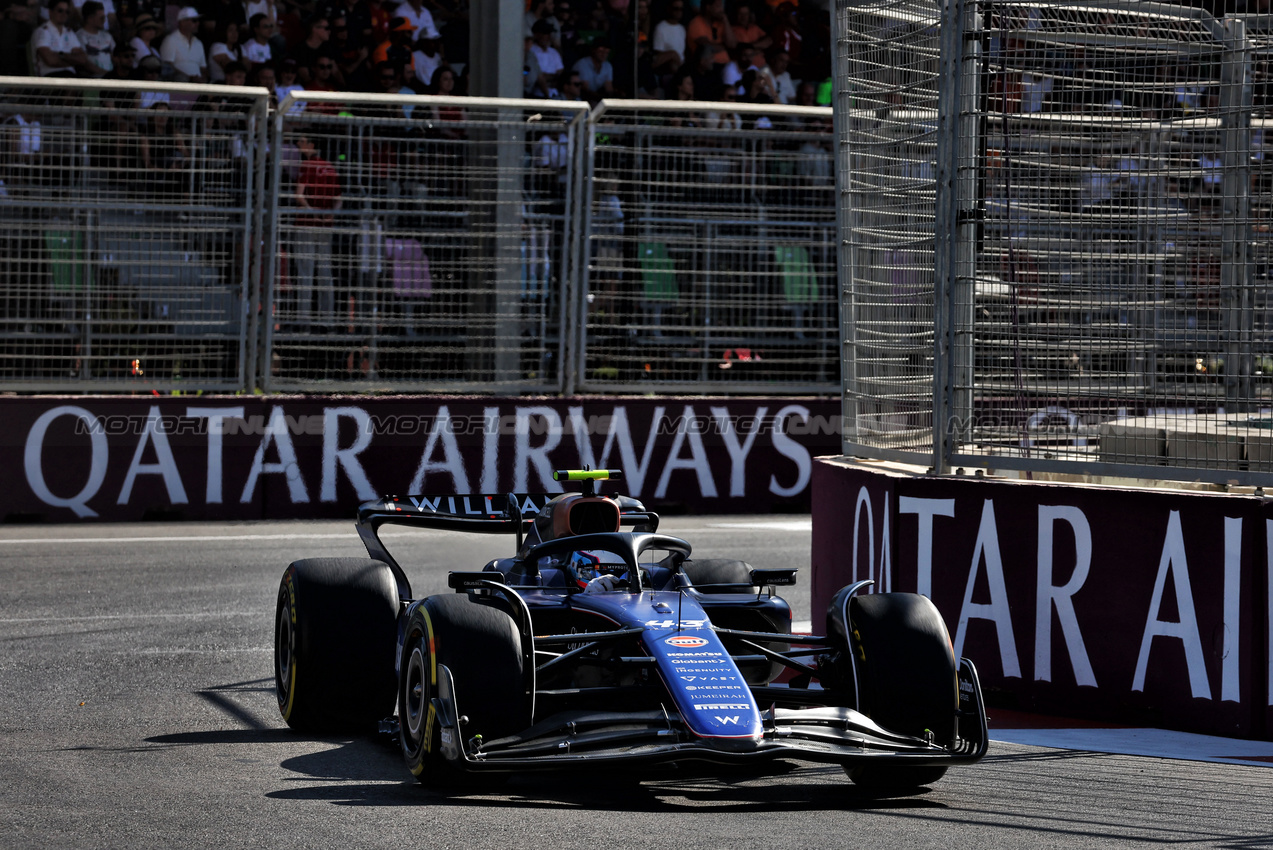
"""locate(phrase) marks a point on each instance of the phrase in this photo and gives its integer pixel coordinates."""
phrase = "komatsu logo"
(686, 641)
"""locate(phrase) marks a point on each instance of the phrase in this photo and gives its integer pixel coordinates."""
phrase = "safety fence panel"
(126, 212)
(710, 249)
(422, 243)
(886, 104)
(1058, 214)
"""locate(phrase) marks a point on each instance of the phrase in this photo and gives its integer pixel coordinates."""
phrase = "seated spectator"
(286, 73)
(110, 25)
(711, 28)
(235, 74)
(731, 74)
(567, 29)
(97, 42)
(163, 151)
(318, 34)
(123, 62)
(223, 12)
(182, 53)
(807, 94)
(58, 53)
(444, 85)
(146, 30)
(225, 51)
(596, 73)
(148, 71)
(15, 36)
(682, 90)
(706, 74)
(352, 59)
(396, 49)
(542, 10)
(320, 79)
(264, 76)
(570, 87)
(669, 40)
(257, 50)
(747, 31)
(547, 58)
(427, 58)
(419, 17)
(786, 34)
(778, 71)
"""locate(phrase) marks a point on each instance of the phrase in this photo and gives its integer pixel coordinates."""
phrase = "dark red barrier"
(1136, 605)
(250, 458)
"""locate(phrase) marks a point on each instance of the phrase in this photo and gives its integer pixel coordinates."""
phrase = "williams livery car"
(601, 642)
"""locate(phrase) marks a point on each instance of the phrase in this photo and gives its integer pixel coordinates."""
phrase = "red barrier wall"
(295, 457)
(1142, 606)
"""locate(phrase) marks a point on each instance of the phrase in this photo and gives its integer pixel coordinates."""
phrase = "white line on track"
(200, 538)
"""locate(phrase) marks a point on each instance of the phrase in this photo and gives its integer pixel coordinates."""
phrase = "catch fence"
(421, 244)
(126, 221)
(1057, 215)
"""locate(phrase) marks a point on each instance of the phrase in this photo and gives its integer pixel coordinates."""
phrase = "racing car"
(599, 642)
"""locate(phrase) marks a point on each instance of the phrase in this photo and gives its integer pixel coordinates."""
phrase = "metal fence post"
(1237, 317)
(269, 251)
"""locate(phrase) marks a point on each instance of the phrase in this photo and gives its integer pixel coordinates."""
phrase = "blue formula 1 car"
(601, 642)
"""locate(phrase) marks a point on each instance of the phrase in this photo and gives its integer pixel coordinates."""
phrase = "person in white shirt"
(183, 52)
(97, 42)
(419, 17)
(225, 50)
(257, 50)
(427, 58)
(546, 56)
(669, 40)
(146, 29)
(776, 70)
(58, 53)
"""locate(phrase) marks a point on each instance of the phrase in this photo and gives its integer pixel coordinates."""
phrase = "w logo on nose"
(725, 721)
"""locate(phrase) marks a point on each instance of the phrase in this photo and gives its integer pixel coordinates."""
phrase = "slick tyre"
(481, 646)
(335, 633)
(710, 571)
(907, 678)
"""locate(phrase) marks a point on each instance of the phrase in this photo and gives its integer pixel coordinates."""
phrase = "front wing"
(826, 734)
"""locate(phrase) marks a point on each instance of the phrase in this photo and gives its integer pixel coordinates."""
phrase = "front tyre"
(481, 646)
(335, 632)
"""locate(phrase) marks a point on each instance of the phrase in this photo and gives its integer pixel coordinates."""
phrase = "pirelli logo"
(721, 706)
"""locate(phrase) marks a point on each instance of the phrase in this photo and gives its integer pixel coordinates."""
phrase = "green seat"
(658, 274)
(65, 250)
(799, 283)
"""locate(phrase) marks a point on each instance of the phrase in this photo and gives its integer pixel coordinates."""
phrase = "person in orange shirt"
(746, 31)
(396, 50)
(711, 28)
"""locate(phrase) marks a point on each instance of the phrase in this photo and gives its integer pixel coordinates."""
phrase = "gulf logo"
(686, 641)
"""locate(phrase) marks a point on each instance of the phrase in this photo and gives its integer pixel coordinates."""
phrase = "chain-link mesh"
(1109, 308)
(710, 249)
(422, 242)
(886, 95)
(124, 214)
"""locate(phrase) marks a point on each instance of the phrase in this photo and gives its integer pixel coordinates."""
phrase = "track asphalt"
(137, 710)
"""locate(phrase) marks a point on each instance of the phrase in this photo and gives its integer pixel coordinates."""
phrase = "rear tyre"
(906, 677)
(710, 571)
(335, 632)
(481, 646)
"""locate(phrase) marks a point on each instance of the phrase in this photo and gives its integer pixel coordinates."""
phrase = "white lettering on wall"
(1061, 598)
(452, 462)
(153, 433)
(1230, 670)
(789, 448)
(925, 509)
(1186, 631)
(524, 456)
(490, 449)
(997, 610)
(347, 458)
(216, 417)
(620, 434)
(738, 452)
(277, 432)
(697, 461)
(864, 500)
(33, 463)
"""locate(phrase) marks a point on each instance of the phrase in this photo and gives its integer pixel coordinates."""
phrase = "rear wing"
(508, 513)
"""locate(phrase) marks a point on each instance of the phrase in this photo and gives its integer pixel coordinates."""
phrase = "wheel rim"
(415, 694)
(284, 646)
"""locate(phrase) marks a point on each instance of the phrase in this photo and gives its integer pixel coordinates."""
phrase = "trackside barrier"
(1064, 611)
(127, 215)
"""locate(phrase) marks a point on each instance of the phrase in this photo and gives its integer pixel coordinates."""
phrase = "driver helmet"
(584, 566)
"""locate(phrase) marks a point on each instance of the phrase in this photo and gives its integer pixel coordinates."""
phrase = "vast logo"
(686, 641)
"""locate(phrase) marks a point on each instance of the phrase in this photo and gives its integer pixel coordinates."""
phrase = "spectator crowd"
(760, 51)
